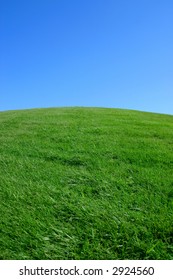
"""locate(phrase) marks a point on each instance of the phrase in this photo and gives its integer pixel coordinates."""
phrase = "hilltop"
(86, 183)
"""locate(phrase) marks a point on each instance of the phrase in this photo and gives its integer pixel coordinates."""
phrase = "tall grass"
(86, 183)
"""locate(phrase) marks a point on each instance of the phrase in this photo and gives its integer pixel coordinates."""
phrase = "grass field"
(86, 183)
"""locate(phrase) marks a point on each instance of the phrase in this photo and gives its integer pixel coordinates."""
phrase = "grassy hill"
(86, 183)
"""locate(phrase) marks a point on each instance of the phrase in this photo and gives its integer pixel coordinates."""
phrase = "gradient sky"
(101, 53)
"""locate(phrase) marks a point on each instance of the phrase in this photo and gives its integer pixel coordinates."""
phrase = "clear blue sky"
(102, 53)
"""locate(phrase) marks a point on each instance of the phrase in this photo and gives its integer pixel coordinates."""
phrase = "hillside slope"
(86, 183)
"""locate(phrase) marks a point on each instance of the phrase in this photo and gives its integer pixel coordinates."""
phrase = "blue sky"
(101, 53)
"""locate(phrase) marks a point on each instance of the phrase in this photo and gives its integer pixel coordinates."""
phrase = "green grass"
(86, 183)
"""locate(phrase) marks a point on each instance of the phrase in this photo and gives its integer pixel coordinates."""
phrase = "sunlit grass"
(86, 183)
